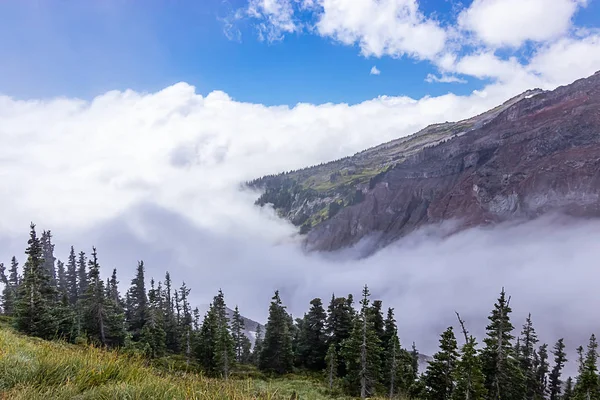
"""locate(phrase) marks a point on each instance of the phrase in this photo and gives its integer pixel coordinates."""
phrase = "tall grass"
(32, 369)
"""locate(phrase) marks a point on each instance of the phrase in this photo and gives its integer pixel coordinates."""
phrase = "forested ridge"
(354, 349)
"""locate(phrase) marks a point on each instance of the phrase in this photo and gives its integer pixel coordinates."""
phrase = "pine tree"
(102, 317)
(258, 346)
(331, 362)
(237, 333)
(526, 351)
(173, 341)
(48, 256)
(469, 378)
(153, 336)
(541, 372)
(224, 345)
(36, 296)
(504, 379)
(439, 376)
(82, 275)
(339, 325)
(137, 309)
(205, 346)
(71, 277)
(61, 280)
(587, 381)
(277, 355)
(560, 358)
(11, 286)
(312, 337)
(361, 354)
(568, 395)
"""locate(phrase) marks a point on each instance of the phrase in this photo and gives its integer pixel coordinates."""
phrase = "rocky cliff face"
(538, 152)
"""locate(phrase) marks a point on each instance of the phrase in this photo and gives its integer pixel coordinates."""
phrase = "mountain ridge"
(488, 168)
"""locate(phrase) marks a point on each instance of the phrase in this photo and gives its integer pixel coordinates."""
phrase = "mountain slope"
(538, 152)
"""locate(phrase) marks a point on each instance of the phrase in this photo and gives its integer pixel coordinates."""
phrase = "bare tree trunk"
(465, 332)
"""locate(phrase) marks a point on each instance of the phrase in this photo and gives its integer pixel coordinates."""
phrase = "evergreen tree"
(239, 338)
(48, 256)
(560, 358)
(541, 372)
(439, 376)
(224, 345)
(568, 395)
(587, 381)
(62, 280)
(331, 361)
(258, 346)
(361, 353)
(469, 378)
(185, 320)
(277, 355)
(36, 297)
(82, 275)
(173, 341)
(525, 352)
(137, 307)
(153, 336)
(504, 379)
(339, 325)
(246, 351)
(313, 339)
(71, 277)
(205, 346)
(102, 318)
(11, 286)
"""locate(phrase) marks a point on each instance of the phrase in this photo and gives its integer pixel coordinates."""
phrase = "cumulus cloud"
(512, 22)
(375, 71)
(431, 78)
(276, 18)
(385, 27)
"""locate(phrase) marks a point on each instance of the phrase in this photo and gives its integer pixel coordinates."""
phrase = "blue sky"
(82, 49)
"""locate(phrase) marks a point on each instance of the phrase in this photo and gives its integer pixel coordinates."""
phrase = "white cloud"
(276, 16)
(431, 78)
(375, 71)
(511, 22)
(381, 27)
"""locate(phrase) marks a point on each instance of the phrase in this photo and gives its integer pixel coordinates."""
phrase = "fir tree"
(185, 320)
(205, 347)
(82, 275)
(469, 378)
(137, 308)
(361, 353)
(36, 297)
(525, 352)
(237, 333)
(504, 379)
(71, 277)
(339, 325)
(173, 341)
(331, 362)
(439, 376)
(48, 256)
(258, 346)
(276, 355)
(224, 345)
(313, 339)
(541, 372)
(11, 286)
(587, 381)
(568, 395)
(153, 336)
(61, 280)
(560, 358)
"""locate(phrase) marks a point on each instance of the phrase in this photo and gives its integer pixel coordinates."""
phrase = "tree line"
(354, 349)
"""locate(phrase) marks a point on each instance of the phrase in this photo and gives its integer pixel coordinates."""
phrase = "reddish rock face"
(541, 154)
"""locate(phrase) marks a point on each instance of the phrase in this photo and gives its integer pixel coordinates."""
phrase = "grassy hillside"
(33, 369)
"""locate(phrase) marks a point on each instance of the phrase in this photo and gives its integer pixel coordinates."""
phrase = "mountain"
(536, 153)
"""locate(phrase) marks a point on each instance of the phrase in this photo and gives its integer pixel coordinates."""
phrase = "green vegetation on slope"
(32, 369)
